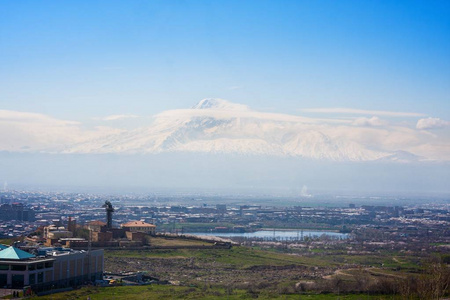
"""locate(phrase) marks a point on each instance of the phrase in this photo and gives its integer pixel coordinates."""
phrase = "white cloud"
(353, 111)
(374, 121)
(370, 139)
(24, 131)
(226, 114)
(24, 117)
(118, 117)
(432, 123)
(304, 193)
(434, 150)
(216, 129)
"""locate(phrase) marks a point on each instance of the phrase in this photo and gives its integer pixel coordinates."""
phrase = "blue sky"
(370, 78)
(82, 59)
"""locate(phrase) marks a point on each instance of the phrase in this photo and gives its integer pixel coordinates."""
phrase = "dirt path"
(371, 271)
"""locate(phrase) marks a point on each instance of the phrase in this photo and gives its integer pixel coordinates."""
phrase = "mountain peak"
(219, 104)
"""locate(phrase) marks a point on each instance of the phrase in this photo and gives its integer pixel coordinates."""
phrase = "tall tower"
(109, 211)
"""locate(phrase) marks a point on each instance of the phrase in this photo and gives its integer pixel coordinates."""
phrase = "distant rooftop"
(137, 224)
(97, 223)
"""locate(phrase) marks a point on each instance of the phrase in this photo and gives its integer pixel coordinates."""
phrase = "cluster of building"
(252, 217)
(33, 210)
(57, 263)
(101, 234)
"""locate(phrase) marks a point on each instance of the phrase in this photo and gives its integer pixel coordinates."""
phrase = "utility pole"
(89, 255)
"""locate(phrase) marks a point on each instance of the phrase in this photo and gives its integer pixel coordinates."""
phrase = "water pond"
(277, 234)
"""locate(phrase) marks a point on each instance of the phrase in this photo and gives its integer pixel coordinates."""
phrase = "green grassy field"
(177, 292)
(247, 273)
(266, 271)
(245, 257)
(239, 257)
(175, 242)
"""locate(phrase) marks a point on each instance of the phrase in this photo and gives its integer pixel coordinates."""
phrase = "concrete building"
(53, 268)
(98, 236)
(96, 225)
(53, 232)
(135, 236)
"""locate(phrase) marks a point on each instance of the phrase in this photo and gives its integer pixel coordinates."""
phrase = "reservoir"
(278, 235)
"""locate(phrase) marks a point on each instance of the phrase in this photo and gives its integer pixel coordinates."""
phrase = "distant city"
(23, 212)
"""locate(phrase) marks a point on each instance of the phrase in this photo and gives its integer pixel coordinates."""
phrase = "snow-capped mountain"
(402, 157)
(219, 126)
(220, 104)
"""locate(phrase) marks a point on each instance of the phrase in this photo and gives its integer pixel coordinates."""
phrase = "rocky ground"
(200, 271)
